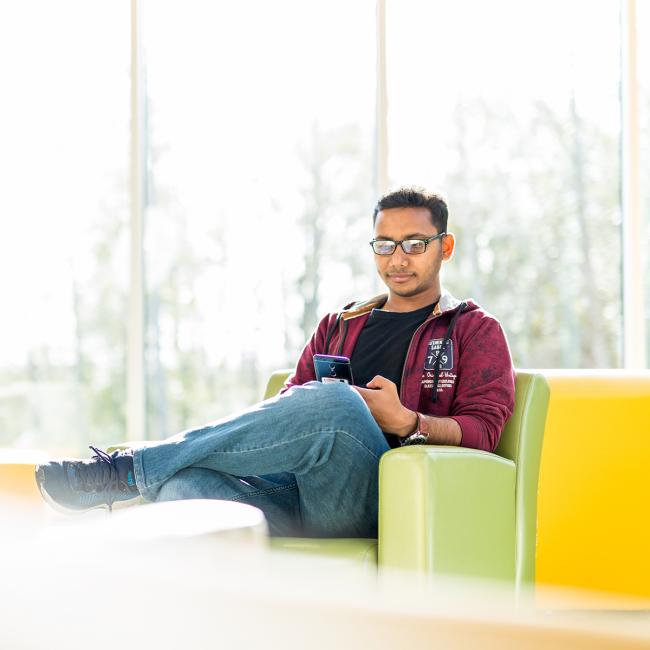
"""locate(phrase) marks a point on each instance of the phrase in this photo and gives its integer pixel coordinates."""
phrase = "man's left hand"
(383, 401)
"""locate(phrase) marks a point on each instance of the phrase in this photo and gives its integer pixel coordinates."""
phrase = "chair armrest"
(276, 382)
(447, 510)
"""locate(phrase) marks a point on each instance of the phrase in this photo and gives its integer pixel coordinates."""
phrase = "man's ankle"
(123, 460)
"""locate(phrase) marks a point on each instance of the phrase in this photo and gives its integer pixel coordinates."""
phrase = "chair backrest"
(521, 442)
(275, 382)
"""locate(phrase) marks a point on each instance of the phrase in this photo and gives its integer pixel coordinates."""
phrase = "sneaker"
(79, 485)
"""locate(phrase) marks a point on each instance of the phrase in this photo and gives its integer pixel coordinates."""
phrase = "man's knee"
(335, 407)
(330, 396)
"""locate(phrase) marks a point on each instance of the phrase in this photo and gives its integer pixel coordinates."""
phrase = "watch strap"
(418, 437)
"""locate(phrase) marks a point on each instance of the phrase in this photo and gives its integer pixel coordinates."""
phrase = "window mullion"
(135, 415)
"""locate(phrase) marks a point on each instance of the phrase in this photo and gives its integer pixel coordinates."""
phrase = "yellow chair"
(594, 490)
(17, 474)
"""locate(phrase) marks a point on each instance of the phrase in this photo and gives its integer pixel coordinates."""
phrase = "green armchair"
(452, 510)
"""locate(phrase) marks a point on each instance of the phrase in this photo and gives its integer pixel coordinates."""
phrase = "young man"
(429, 369)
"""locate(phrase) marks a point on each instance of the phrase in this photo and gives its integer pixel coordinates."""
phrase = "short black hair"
(415, 197)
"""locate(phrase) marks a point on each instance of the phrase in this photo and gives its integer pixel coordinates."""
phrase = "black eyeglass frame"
(401, 243)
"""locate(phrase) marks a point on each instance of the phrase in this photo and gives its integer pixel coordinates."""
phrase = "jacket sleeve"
(485, 392)
(304, 370)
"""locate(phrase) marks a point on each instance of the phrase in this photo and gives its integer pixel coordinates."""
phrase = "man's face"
(411, 275)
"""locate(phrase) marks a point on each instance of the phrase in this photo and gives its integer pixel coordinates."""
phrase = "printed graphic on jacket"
(433, 350)
(446, 379)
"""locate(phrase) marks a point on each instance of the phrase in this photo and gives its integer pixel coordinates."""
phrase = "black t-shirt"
(382, 346)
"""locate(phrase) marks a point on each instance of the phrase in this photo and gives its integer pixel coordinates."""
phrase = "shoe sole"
(62, 509)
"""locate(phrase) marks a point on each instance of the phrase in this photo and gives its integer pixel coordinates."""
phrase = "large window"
(64, 124)
(259, 141)
(511, 110)
(260, 136)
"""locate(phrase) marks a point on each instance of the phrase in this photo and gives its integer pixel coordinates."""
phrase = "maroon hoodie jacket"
(475, 382)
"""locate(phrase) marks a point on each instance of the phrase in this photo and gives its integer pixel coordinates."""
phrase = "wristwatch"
(418, 437)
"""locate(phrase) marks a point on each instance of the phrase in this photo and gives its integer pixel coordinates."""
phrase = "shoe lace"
(102, 476)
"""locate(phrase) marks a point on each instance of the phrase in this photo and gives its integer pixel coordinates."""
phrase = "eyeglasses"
(409, 246)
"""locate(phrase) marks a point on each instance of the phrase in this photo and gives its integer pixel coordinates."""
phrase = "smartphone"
(332, 368)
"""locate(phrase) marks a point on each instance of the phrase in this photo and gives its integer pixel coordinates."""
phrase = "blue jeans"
(308, 459)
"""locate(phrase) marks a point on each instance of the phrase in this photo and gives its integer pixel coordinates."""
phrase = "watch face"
(415, 439)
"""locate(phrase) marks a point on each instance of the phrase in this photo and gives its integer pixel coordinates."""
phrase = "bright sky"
(510, 53)
(63, 134)
(231, 109)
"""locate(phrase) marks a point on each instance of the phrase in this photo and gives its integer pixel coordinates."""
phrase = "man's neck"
(410, 303)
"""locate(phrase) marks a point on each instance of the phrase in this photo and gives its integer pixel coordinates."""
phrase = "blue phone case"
(330, 368)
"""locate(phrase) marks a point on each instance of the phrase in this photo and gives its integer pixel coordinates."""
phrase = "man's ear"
(448, 246)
